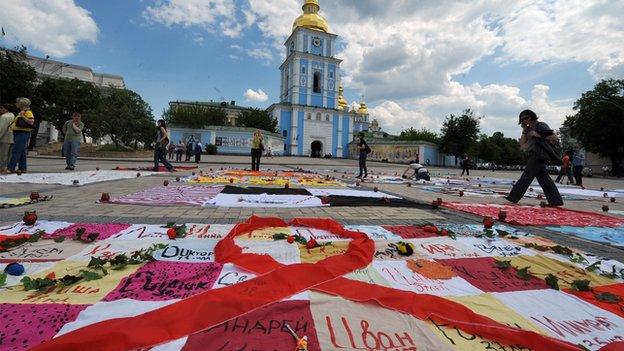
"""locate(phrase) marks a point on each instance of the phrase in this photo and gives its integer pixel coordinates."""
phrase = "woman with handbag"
(160, 147)
(538, 140)
(256, 150)
(22, 127)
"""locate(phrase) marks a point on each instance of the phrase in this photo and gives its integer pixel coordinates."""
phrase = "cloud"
(54, 27)
(256, 95)
(567, 30)
(406, 58)
(498, 104)
(211, 15)
(261, 54)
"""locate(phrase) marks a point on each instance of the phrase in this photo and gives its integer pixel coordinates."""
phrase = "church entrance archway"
(317, 149)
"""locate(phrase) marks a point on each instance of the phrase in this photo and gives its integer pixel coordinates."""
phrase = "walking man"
(579, 162)
(72, 130)
(465, 163)
(535, 133)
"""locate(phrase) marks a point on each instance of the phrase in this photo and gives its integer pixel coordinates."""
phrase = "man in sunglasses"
(535, 133)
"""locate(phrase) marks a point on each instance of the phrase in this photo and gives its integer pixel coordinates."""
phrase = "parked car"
(553, 169)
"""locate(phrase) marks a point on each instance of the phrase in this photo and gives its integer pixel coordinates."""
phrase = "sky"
(414, 62)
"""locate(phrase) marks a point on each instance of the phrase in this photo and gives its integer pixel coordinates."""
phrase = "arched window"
(318, 116)
(317, 82)
(327, 117)
(309, 116)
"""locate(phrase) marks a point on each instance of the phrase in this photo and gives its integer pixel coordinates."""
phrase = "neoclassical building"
(314, 117)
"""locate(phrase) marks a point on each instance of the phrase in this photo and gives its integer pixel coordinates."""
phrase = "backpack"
(367, 149)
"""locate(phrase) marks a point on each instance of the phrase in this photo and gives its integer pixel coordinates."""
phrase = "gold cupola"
(363, 110)
(342, 102)
(310, 18)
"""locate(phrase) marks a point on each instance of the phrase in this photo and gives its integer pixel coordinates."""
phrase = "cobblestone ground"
(80, 203)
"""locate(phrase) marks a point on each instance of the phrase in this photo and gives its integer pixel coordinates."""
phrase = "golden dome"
(342, 102)
(363, 110)
(310, 18)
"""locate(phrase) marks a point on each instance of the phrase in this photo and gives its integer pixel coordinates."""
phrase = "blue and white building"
(314, 117)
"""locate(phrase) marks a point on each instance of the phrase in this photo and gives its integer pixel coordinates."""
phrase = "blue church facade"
(313, 116)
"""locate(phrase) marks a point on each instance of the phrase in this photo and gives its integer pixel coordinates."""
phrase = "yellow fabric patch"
(489, 306)
(540, 266)
(319, 253)
(83, 292)
(265, 234)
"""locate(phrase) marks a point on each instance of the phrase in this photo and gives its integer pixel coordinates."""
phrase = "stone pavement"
(79, 204)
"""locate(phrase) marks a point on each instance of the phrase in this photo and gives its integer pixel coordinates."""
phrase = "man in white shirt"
(6, 136)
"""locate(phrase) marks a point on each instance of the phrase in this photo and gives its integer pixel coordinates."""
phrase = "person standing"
(578, 161)
(198, 152)
(364, 150)
(180, 148)
(72, 130)
(565, 169)
(160, 146)
(257, 146)
(190, 148)
(22, 127)
(605, 171)
(535, 135)
(6, 136)
(465, 163)
(171, 150)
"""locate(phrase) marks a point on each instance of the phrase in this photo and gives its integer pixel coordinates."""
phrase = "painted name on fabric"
(361, 337)
(419, 283)
(454, 335)
(164, 288)
(182, 254)
(576, 327)
(47, 296)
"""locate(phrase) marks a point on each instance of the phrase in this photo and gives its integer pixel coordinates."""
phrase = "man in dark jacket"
(534, 135)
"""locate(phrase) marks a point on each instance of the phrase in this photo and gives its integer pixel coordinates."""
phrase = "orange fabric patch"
(431, 269)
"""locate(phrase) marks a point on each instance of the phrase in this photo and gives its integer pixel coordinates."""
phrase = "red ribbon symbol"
(275, 283)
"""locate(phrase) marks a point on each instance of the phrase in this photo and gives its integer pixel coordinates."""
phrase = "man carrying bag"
(540, 143)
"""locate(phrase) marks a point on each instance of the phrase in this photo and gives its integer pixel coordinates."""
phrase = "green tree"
(423, 134)
(599, 121)
(499, 149)
(195, 116)
(17, 78)
(123, 116)
(460, 133)
(256, 118)
(58, 98)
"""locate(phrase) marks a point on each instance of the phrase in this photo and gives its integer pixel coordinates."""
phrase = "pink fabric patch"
(263, 329)
(158, 281)
(106, 230)
(483, 274)
(409, 231)
(23, 326)
(535, 215)
(172, 195)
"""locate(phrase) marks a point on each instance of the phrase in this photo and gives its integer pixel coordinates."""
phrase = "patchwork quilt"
(73, 178)
(265, 284)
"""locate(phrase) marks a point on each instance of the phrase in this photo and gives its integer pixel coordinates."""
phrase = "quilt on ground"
(135, 275)
(70, 178)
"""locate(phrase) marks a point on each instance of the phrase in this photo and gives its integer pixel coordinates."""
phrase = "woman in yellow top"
(22, 127)
(256, 150)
